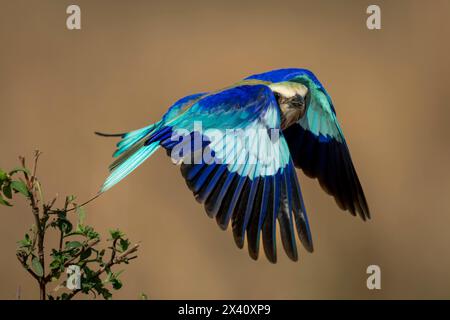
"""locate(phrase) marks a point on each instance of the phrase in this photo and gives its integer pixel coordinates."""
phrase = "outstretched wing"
(317, 145)
(241, 169)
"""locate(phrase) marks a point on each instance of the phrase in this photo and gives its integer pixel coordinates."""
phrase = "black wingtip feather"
(253, 226)
(239, 215)
(212, 203)
(285, 221)
(287, 236)
(298, 207)
(223, 212)
(269, 225)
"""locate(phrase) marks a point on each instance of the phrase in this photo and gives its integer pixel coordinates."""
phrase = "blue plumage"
(252, 134)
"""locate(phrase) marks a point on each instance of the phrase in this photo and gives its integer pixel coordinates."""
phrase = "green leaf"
(37, 267)
(85, 254)
(115, 234)
(64, 225)
(81, 215)
(7, 191)
(55, 264)
(117, 284)
(106, 294)
(19, 169)
(3, 175)
(65, 296)
(4, 202)
(73, 244)
(19, 186)
(26, 242)
(124, 244)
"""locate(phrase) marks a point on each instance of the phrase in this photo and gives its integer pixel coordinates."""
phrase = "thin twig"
(78, 206)
(37, 153)
(27, 267)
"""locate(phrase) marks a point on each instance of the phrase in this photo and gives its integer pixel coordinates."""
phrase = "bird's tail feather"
(131, 151)
(131, 138)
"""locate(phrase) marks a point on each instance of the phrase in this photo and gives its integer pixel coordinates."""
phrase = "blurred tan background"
(131, 60)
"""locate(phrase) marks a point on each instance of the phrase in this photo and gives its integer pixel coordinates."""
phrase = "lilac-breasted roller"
(254, 134)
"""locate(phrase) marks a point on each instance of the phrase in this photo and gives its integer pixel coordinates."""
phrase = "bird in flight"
(253, 135)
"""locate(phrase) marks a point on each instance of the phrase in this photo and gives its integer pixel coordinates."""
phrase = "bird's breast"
(289, 115)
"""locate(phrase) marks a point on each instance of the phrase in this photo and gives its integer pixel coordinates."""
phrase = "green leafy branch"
(78, 244)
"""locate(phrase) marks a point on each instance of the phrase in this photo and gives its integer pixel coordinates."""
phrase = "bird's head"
(292, 98)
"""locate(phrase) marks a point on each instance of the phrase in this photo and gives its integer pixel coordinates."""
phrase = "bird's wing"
(317, 145)
(245, 174)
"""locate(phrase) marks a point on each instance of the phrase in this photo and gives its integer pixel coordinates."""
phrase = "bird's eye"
(277, 96)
